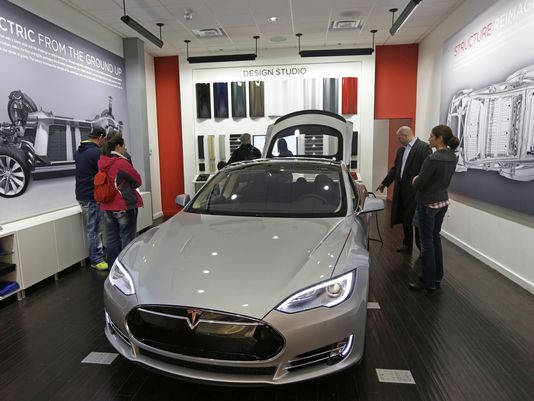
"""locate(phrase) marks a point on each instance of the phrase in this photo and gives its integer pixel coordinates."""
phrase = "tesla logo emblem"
(193, 318)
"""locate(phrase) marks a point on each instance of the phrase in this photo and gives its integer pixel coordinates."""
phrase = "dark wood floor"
(471, 340)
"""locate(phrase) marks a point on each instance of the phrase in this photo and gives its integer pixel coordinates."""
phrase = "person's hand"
(381, 188)
(413, 179)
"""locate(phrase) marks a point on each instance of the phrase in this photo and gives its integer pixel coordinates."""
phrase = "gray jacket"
(435, 177)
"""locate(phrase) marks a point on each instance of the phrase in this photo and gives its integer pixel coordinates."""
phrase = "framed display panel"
(258, 141)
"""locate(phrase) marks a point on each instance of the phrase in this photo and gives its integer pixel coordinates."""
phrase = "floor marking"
(100, 358)
(395, 376)
(373, 305)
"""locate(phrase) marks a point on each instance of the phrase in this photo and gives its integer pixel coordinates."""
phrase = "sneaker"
(100, 266)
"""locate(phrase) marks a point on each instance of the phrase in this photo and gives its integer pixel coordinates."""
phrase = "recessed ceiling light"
(273, 19)
(278, 39)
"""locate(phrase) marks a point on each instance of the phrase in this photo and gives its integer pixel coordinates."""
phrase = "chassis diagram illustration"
(495, 126)
(40, 144)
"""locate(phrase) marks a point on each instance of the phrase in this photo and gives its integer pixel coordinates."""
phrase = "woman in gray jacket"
(432, 203)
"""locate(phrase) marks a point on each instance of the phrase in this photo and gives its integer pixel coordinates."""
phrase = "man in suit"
(408, 162)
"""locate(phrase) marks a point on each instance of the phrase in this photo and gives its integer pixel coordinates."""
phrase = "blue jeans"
(121, 228)
(92, 216)
(430, 221)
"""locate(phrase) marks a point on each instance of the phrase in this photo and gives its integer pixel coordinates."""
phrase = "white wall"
(153, 136)
(497, 236)
(380, 156)
(73, 21)
(289, 57)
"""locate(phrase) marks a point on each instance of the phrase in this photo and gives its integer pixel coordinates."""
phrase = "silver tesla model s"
(261, 278)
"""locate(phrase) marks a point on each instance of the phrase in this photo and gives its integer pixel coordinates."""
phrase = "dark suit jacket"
(404, 204)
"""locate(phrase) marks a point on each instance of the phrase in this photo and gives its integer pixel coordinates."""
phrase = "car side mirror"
(182, 200)
(372, 204)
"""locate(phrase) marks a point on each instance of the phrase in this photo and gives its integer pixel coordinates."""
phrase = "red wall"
(396, 81)
(396, 91)
(169, 131)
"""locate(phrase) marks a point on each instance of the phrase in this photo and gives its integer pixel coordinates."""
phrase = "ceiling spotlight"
(273, 19)
(188, 14)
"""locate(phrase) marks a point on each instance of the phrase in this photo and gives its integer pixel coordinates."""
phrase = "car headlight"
(329, 294)
(120, 278)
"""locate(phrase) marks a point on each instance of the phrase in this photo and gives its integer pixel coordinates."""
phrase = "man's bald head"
(405, 135)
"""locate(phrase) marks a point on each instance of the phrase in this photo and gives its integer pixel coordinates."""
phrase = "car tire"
(14, 173)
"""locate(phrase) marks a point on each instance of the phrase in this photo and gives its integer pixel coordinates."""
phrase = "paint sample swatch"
(239, 99)
(330, 94)
(203, 100)
(220, 95)
(211, 152)
(349, 95)
(256, 98)
(276, 93)
(312, 94)
(222, 147)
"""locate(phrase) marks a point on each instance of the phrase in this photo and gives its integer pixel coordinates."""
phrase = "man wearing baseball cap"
(86, 159)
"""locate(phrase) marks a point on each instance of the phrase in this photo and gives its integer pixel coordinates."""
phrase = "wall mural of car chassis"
(41, 145)
(495, 126)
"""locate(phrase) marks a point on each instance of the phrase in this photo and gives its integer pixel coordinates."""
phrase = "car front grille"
(236, 370)
(215, 335)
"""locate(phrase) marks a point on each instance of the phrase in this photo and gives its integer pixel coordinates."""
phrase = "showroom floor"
(471, 340)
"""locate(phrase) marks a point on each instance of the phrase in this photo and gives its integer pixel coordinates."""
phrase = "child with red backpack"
(119, 205)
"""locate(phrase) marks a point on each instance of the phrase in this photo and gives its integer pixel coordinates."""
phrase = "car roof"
(284, 160)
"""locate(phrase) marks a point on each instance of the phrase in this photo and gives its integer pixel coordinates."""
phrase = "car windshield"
(292, 189)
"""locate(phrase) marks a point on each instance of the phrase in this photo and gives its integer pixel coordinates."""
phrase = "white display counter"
(42, 246)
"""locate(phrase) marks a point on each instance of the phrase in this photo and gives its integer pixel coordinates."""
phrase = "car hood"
(244, 265)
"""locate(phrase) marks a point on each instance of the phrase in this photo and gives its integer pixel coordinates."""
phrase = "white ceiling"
(242, 19)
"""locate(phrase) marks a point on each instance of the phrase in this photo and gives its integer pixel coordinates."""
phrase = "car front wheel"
(14, 173)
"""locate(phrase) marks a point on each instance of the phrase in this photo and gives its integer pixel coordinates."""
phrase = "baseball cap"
(97, 132)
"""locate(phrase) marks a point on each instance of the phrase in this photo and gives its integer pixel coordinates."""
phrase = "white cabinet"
(39, 247)
(37, 253)
(70, 241)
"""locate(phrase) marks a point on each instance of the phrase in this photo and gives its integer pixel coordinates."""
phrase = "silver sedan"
(261, 278)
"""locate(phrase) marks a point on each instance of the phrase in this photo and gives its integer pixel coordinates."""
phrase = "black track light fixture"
(365, 51)
(140, 28)
(404, 15)
(222, 57)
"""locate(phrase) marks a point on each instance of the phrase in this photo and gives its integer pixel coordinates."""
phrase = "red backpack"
(104, 191)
